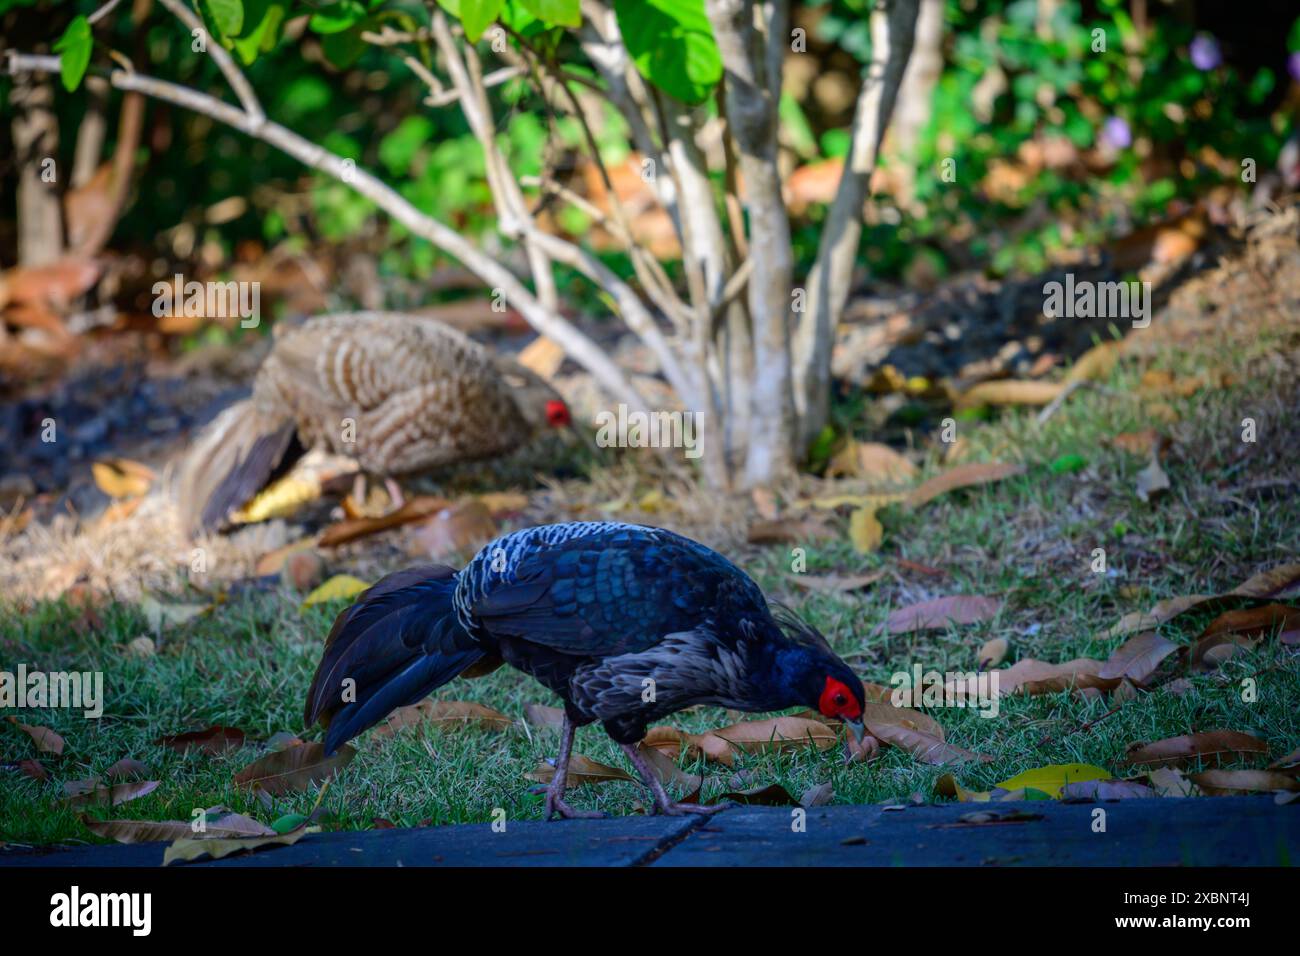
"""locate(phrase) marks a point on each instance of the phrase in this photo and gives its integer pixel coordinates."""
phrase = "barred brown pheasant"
(399, 393)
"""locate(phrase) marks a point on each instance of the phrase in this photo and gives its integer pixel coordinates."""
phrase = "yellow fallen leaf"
(186, 850)
(865, 530)
(1010, 392)
(122, 478)
(341, 587)
(1053, 778)
(281, 499)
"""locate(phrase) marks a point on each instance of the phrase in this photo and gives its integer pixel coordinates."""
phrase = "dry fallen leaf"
(993, 653)
(876, 716)
(582, 772)
(46, 740)
(126, 768)
(1010, 392)
(190, 849)
(460, 529)
(294, 768)
(873, 461)
(817, 795)
(1245, 627)
(777, 733)
(837, 583)
(341, 587)
(1040, 677)
(671, 741)
(211, 740)
(788, 530)
(1152, 482)
(100, 796)
(865, 530)
(1171, 782)
(938, 613)
(1272, 583)
(446, 714)
(1215, 746)
(1225, 783)
(772, 795)
(216, 827)
(551, 718)
(122, 478)
(962, 476)
(1138, 658)
(666, 769)
(925, 747)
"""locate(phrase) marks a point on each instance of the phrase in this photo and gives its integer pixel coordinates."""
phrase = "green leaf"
(560, 13)
(1068, 464)
(263, 20)
(343, 49)
(1053, 778)
(227, 15)
(74, 52)
(672, 45)
(477, 15)
(337, 17)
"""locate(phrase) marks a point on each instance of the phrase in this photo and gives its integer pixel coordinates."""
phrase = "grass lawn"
(1231, 511)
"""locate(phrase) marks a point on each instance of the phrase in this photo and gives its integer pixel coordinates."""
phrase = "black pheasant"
(627, 624)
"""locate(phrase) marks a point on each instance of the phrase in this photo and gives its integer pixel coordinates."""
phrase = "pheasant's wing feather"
(604, 594)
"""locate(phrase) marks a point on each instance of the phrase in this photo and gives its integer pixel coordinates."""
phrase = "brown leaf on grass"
(666, 769)
(938, 613)
(837, 583)
(787, 530)
(1096, 364)
(539, 715)
(447, 714)
(188, 849)
(100, 796)
(583, 771)
(126, 768)
(1152, 482)
(962, 476)
(765, 503)
(224, 826)
(1172, 782)
(273, 561)
(1244, 628)
(500, 503)
(122, 478)
(777, 733)
(46, 740)
(1040, 677)
(293, 769)
(670, 741)
(817, 795)
(876, 716)
(542, 355)
(1010, 392)
(1138, 658)
(1215, 746)
(926, 748)
(1266, 584)
(461, 529)
(1226, 783)
(993, 653)
(213, 740)
(415, 509)
(1144, 443)
(34, 769)
(1290, 762)
(773, 795)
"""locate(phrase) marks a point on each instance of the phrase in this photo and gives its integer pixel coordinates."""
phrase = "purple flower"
(1205, 52)
(1116, 134)
(1293, 66)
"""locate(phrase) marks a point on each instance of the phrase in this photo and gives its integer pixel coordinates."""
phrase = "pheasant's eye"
(839, 700)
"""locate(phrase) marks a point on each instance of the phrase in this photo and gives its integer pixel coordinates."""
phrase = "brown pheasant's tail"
(241, 452)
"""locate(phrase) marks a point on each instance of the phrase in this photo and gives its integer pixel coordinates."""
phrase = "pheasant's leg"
(555, 792)
(663, 804)
(394, 493)
(359, 489)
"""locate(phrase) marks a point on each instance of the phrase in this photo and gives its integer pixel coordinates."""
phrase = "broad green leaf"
(263, 20)
(337, 17)
(672, 45)
(561, 13)
(74, 50)
(345, 48)
(477, 15)
(227, 15)
(1053, 778)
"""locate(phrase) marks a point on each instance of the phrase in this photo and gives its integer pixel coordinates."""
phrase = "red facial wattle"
(838, 701)
(557, 413)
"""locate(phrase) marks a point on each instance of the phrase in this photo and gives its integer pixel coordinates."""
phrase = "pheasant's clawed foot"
(555, 805)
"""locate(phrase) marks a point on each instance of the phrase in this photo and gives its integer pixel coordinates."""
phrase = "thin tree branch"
(238, 83)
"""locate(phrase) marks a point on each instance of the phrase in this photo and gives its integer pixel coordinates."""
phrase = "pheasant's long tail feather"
(235, 457)
(399, 642)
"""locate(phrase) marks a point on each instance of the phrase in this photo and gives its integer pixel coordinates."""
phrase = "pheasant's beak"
(856, 727)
